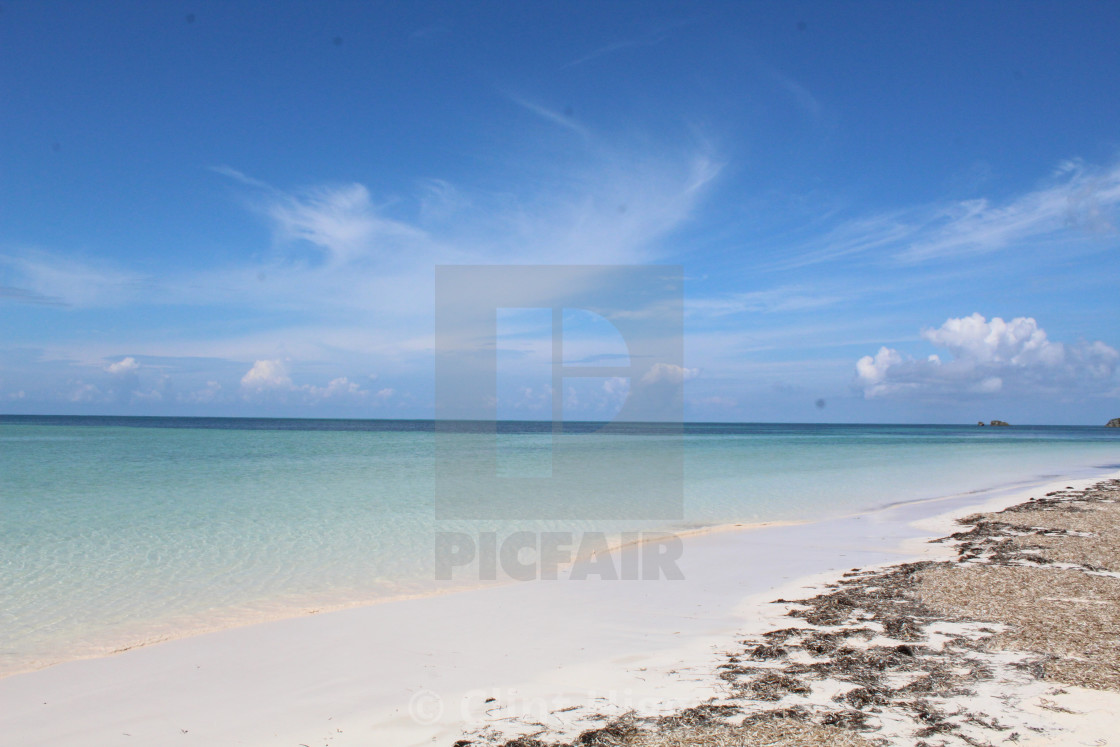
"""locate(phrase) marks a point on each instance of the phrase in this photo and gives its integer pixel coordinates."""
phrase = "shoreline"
(259, 615)
(759, 614)
(1012, 637)
(366, 671)
(303, 610)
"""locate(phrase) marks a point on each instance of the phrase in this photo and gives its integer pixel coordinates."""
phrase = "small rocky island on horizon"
(994, 422)
(1114, 423)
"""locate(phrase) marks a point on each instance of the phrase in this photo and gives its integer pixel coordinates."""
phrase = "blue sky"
(884, 212)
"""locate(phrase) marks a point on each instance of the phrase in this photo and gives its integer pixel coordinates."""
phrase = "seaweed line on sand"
(971, 651)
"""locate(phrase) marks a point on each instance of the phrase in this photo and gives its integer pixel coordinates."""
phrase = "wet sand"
(567, 655)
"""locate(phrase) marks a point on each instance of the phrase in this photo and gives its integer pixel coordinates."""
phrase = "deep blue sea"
(119, 531)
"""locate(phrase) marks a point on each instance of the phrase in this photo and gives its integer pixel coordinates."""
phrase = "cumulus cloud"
(1018, 342)
(270, 377)
(988, 357)
(617, 387)
(125, 365)
(872, 371)
(124, 384)
(340, 387)
(594, 397)
(266, 375)
(668, 373)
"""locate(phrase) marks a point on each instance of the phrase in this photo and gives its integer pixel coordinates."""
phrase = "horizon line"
(539, 421)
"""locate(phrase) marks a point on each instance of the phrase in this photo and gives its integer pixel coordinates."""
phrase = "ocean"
(117, 531)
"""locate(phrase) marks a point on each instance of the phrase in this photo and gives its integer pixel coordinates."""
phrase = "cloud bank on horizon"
(234, 257)
(989, 357)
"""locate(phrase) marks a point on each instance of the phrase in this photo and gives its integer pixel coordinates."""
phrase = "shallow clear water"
(120, 531)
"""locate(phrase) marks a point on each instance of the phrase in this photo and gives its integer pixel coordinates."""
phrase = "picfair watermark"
(527, 556)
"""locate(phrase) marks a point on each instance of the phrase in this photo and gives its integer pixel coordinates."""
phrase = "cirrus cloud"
(1078, 205)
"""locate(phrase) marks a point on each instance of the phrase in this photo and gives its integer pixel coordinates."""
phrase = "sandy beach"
(559, 374)
(552, 658)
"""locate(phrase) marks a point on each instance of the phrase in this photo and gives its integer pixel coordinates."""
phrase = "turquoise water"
(115, 532)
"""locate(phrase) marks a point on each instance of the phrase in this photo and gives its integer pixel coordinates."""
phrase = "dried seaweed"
(1031, 568)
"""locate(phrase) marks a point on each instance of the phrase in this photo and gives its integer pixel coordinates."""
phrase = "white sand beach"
(559, 374)
(562, 653)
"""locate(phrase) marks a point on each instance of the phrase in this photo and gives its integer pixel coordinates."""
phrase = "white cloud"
(339, 251)
(786, 298)
(22, 295)
(125, 365)
(206, 395)
(86, 393)
(151, 395)
(717, 402)
(50, 279)
(801, 95)
(266, 375)
(858, 236)
(668, 373)
(1083, 200)
(990, 356)
(595, 398)
(606, 50)
(1018, 342)
(1079, 203)
(440, 200)
(563, 120)
(617, 387)
(526, 398)
(340, 387)
(270, 377)
(872, 371)
(349, 280)
(340, 221)
(652, 37)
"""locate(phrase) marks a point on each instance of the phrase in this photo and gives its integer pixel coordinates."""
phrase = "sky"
(881, 212)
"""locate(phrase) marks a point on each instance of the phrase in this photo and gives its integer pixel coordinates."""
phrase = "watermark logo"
(627, 468)
(589, 478)
(425, 707)
(527, 556)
